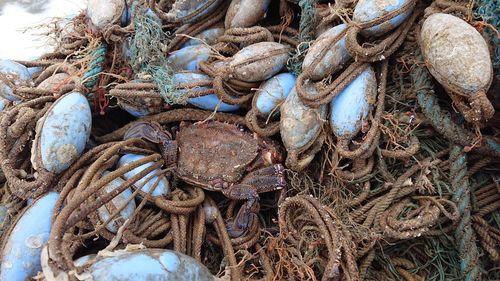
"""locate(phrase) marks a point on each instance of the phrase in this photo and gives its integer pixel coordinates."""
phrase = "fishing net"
(148, 57)
(489, 12)
(414, 195)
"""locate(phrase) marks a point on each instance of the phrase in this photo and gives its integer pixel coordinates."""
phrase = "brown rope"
(174, 115)
(298, 160)
(326, 94)
(284, 34)
(384, 49)
(263, 129)
(74, 211)
(247, 35)
(223, 236)
(229, 90)
(297, 213)
(17, 126)
(361, 168)
(489, 237)
(418, 221)
(192, 30)
(188, 199)
(371, 212)
(406, 152)
(198, 233)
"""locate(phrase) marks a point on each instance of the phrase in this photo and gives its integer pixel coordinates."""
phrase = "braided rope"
(464, 233)
(91, 77)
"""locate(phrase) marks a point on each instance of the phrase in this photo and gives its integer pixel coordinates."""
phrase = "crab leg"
(267, 179)
(262, 180)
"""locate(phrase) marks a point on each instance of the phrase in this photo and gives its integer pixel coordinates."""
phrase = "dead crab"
(221, 157)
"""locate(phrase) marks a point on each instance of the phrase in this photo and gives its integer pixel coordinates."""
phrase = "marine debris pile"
(255, 140)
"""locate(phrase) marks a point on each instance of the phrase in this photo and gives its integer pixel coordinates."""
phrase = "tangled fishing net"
(184, 157)
(489, 12)
(147, 55)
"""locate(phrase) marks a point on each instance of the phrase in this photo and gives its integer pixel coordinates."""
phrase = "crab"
(221, 157)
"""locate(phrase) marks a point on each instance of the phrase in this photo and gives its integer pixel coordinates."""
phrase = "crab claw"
(239, 226)
(263, 180)
(154, 132)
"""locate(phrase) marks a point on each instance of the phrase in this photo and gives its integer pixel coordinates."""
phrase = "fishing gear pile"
(255, 140)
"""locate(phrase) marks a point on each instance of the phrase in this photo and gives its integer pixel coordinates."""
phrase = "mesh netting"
(147, 56)
(306, 29)
(489, 11)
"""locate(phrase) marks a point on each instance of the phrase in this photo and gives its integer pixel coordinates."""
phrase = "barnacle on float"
(458, 57)
(62, 133)
(12, 74)
(335, 57)
(300, 129)
(259, 61)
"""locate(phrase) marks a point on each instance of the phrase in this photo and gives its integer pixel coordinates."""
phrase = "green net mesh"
(489, 12)
(306, 31)
(148, 58)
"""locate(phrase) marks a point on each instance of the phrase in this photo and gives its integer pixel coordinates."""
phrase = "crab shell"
(12, 74)
(163, 187)
(245, 13)
(207, 102)
(189, 11)
(300, 125)
(456, 54)
(21, 249)
(369, 10)
(217, 150)
(118, 202)
(61, 134)
(352, 105)
(272, 93)
(145, 264)
(188, 58)
(259, 61)
(334, 58)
